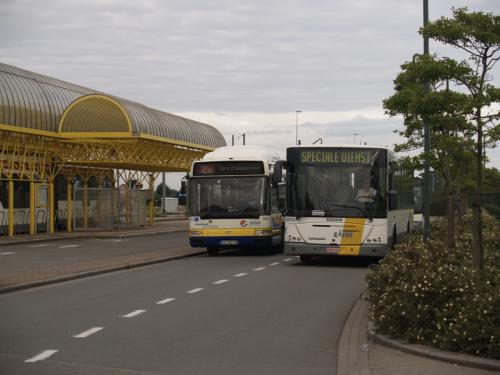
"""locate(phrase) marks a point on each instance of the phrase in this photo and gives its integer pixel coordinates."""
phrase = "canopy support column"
(11, 207)
(152, 199)
(51, 208)
(69, 207)
(85, 206)
(32, 208)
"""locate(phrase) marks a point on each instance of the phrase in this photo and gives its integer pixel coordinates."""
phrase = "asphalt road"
(239, 313)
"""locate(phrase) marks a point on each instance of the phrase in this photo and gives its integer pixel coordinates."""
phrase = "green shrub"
(429, 294)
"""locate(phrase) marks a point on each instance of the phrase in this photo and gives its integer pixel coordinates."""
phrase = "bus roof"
(241, 153)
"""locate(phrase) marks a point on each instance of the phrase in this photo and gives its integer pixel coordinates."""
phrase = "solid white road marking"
(220, 282)
(240, 274)
(274, 264)
(41, 245)
(67, 246)
(287, 260)
(40, 357)
(194, 290)
(259, 268)
(164, 301)
(88, 332)
(134, 314)
(7, 253)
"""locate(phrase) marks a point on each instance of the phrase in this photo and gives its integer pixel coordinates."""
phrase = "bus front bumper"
(232, 242)
(374, 250)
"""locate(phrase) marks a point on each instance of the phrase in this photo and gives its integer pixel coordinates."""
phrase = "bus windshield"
(229, 197)
(337, 189)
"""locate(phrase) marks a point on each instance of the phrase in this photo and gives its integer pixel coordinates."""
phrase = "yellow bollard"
(69, 205)
(51, 208)
(11, 207)
(32, 209)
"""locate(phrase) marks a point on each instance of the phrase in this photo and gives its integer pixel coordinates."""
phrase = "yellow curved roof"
(35, 102)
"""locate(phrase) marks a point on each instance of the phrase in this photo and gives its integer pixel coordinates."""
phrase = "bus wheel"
(394, 238)
(305, 258)
(213, 251)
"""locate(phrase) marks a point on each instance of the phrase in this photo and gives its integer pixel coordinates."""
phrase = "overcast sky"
(241, 66)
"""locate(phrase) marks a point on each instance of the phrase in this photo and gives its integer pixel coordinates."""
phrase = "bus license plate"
(333, 249)
(229, 242)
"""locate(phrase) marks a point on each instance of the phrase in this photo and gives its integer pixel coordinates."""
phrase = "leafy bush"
(429, 294)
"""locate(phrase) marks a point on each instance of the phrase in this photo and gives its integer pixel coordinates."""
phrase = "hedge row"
(429, 294)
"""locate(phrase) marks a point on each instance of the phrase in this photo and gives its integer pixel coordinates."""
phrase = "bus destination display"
(335, 156)
(228, 168)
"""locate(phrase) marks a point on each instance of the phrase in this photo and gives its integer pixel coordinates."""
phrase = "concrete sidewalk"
(361, 352)
(124, 232)
(27, 262)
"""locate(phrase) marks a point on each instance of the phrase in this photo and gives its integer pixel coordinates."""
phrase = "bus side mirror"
(392, 196)
(278, 172)
(183, 187)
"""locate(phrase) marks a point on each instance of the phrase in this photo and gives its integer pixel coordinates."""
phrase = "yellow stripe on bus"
(235, 232)
(350, 245)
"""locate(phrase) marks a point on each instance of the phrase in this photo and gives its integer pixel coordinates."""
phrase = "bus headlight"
(195, 233)
(263, 232)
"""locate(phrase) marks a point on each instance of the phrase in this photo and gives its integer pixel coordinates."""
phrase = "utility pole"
(297, 126)
(355, 134)
(427, 145)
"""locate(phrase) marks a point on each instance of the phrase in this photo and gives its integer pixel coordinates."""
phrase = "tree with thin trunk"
(446, 111)
(478, 35)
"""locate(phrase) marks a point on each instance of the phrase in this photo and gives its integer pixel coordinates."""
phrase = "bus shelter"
(66, 151)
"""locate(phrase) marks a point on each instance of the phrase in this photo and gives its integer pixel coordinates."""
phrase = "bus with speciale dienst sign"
(346, 200)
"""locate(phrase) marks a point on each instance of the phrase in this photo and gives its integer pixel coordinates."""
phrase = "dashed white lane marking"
(220, 282)
(196, 290)
(240, 274)
(259, 268)
(274, 264)
(7, 253)
(134, 314)
(287, 260)
(88, 332)
(164, 301)
(67, 246)
(40, 357)
(40, 245)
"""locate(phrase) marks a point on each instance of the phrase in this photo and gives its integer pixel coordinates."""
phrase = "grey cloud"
(222, 55)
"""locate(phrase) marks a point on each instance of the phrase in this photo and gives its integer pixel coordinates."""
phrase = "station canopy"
(75, 125)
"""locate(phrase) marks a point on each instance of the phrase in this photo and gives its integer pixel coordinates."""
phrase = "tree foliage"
(462, 118)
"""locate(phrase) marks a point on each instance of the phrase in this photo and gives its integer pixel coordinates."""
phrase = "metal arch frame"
(78, 101)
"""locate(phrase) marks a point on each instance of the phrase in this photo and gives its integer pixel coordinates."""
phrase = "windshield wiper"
(363, 211)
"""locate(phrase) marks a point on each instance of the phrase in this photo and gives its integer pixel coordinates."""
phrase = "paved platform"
(27, 262)
(360, 355)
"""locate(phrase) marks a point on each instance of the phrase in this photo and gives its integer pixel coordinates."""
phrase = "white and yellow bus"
(234, 199)
(346, 200)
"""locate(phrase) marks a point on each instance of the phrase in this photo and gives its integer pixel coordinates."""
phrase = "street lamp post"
(427, 145)
(297, 126)
(355, 134)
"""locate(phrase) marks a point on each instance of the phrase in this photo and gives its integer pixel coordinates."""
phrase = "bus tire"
(394, 238)
(305, 258)
(213, 251)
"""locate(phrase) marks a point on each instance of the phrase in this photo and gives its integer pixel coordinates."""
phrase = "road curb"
(433, 353)
(93, 235)
(79, 275)
(352, 347)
